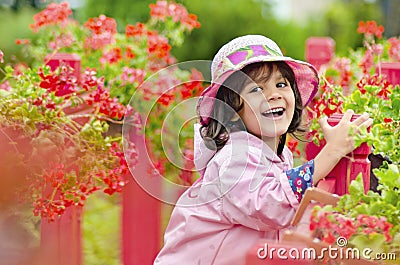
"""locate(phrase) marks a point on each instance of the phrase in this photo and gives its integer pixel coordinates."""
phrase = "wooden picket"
(61, 240)
(141, 211)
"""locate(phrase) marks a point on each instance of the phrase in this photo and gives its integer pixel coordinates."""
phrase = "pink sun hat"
(246, 50)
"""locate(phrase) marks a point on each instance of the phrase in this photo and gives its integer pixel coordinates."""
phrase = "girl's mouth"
(274, 112)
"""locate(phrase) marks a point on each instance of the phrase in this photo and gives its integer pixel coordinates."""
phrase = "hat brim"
(306, 76)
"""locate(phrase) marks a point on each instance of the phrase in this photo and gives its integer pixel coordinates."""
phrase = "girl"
(248, 188)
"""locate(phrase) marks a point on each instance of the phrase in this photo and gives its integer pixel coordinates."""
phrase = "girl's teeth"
(274, 112)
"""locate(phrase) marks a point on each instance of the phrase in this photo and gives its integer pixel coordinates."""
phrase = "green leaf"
(389, 177)
(9, 71)
(359, 100)
(390, 196)
(374, 241)
(361, 209)
(357, 186)
(331, 72)
(396, 106)
(34, 114)
(97, 126)
(105, 127)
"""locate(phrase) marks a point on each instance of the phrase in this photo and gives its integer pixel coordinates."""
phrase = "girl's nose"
(274, 95)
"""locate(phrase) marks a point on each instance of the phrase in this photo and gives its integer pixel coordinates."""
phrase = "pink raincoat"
(243, 195)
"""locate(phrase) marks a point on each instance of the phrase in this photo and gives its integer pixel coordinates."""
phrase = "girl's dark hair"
(228, 103)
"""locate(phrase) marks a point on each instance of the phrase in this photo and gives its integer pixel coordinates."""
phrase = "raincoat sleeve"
(256, 193)
(300, 178)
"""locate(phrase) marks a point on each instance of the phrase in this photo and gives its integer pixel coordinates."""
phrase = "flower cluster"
(379, 82)
(365, 220)
(378, 97)
(103, 30)
(69, 157)
(394, 49)
(65, 114)
(63, 83)
(292, 144)
(177, 12)
(157, 46)
(171, 20)
(358, 82)
(328, 226)
(327, 102)
(370, 28)
(54, 14)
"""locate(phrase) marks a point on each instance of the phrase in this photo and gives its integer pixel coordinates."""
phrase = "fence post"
(141, 212)
(391, 71)
(348, 167)
(70, 59)
(61, 241)
(352, 165)
(319, 50)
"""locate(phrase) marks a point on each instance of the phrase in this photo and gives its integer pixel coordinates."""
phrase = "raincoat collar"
(203, 155)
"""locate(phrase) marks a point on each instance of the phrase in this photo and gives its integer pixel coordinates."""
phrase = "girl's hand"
(339, 142)
(340, 138)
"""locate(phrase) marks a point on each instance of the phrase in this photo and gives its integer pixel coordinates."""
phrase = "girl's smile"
(274, 113)
(268, 107)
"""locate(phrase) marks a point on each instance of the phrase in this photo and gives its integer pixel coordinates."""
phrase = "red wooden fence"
(338, 180)
(319, 50)
(391, 71)
(61, 241)
(141, 212)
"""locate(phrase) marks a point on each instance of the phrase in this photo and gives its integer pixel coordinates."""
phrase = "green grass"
(14, 25)
(101, 230)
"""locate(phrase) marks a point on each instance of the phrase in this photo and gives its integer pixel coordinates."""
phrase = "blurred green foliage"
(341, 22)
(102, 230)
(14, 25)
(123, 11)
(223, 20)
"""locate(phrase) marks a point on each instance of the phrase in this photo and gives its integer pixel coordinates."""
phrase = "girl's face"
(268, 107)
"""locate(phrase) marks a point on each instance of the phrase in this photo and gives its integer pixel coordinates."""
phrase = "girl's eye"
(256, 89)
(281, 84)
